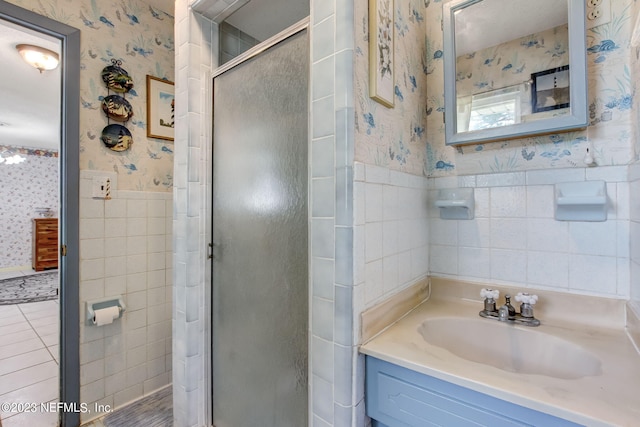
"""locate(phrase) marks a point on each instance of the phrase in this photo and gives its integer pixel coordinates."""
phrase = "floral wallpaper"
(611, 92)
(513, 62)
(394, 137)
(26, 186)
(140, 34)
(410, 137)
(506, 70)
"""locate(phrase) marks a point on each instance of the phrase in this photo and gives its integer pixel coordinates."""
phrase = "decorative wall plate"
(117, 137)
(116, 78)
(117, 108)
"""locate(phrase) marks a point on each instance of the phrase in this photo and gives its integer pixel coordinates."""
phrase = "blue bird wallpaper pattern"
(387, 137)
(408, 138)
(139, 34)
(394, 137)
(611, 107)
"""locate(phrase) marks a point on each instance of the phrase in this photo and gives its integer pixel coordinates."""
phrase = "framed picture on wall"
(160, 108)
(550, 89)
(381, 47)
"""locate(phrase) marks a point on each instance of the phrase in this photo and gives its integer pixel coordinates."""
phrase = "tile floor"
(154, 410)
(28, 358)
(29, 348)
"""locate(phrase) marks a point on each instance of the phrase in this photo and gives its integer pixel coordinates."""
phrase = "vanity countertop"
(609, 399)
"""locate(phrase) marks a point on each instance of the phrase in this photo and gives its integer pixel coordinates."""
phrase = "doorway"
(260, 237)
(29, 280)
(45, 367)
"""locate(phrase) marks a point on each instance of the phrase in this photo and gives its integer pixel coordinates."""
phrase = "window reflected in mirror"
(489, 110)
(496, 83)
(513, 68)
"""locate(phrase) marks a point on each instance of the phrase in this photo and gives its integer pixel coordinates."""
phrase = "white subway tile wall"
(390, 252)
(515, 239)
(196, 40)
(121, 255)
(632, 190)
(394, 231)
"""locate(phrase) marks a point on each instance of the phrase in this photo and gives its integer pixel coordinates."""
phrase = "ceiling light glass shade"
(38, 57)
(12, 159)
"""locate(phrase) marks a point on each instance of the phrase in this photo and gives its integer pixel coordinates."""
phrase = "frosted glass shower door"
(260, 266)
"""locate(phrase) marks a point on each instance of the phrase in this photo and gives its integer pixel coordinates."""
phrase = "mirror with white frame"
(513, 69)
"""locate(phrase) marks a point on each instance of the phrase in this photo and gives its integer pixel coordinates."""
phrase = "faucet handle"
(489, 293)
(525, 298)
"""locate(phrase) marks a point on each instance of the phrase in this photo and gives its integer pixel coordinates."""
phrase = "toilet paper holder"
(98, 304)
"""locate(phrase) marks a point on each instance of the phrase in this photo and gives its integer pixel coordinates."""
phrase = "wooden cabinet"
(45, 243)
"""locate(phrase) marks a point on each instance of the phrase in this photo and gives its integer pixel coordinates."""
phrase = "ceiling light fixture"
(38, 57)
(11, 159)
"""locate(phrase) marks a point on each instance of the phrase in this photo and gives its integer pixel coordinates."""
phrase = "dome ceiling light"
(38, 57)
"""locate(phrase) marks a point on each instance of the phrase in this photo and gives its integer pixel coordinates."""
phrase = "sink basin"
(510, 348)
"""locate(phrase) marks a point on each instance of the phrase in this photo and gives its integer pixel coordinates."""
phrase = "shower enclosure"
(260, 238)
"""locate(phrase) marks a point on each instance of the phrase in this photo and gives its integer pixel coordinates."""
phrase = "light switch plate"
(598, 12)
(101, 187)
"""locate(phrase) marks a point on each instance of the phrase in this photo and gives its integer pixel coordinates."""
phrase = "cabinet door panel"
(399, 397)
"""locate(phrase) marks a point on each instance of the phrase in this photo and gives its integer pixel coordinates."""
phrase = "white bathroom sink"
(511, 348)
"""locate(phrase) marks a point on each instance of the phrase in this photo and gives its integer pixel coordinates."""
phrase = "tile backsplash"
(634, 232)
(391, 233)
(515, 239)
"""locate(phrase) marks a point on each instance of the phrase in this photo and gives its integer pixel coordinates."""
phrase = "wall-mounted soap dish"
(456, 203)
(581, 201)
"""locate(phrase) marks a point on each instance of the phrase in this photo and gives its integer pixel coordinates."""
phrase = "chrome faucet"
(507, 312)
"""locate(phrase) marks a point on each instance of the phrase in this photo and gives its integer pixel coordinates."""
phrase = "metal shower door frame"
(300, 26)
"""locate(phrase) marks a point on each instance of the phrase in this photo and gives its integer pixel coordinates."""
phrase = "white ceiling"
(262, 19)
(492, 22)
(30, 103)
